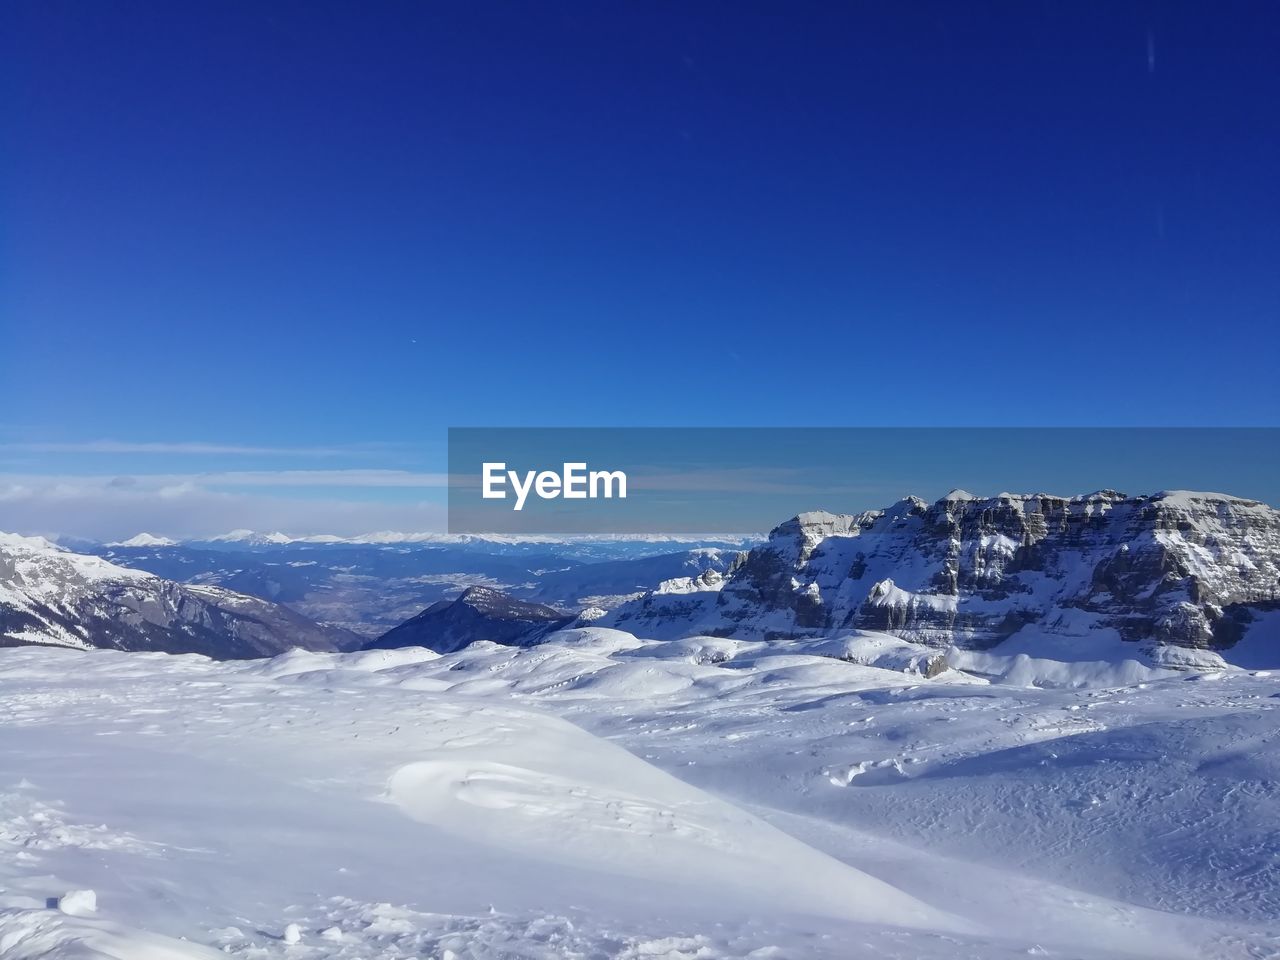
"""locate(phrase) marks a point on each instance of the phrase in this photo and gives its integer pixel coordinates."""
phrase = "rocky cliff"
(1176, 569)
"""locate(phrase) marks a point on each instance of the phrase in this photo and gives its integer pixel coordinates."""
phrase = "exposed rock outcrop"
(1177, 569)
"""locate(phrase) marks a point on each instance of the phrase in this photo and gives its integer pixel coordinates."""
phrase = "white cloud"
(111, 508)
(326, 478)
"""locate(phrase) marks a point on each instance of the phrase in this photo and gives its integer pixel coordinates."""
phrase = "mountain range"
(1102, 574)
(369, 588)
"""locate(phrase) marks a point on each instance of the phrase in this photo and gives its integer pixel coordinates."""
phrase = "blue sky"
(253, 238)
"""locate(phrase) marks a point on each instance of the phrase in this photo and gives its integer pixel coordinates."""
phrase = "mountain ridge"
(1172, 569)
(50, 596)
(479, 613)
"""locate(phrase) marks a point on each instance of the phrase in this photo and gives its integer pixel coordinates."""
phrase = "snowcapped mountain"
(51, 596)
(479, 614)
(1169, 571)
(249, 538)
(144, 540)
(610, 582)
(622, 544)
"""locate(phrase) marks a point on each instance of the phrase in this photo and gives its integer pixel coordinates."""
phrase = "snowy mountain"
(250, 538)
(479, 614)
(144, 540)
(610, 582)
(1170, 571)
(50, 596)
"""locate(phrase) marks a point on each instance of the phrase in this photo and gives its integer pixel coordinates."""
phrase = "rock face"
(1175, 569)
(53, 597)
(480, 613)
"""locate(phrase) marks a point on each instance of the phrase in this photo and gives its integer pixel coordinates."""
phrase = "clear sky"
(262, 237)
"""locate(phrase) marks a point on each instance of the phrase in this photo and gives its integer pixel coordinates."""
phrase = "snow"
(78, 903)
(699, 584)
(608, 796)
(886, 593)
(251, 537)
(145, 540)
(12, 543)
(1198, 498)
(36, 554)
(233, 536)
(34, 571)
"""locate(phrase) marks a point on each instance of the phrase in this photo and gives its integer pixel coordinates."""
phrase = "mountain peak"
(251, 537)
(495, 603)
(144, 540)
(480, 613)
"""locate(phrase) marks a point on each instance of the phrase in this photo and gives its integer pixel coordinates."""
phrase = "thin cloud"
(176, 507)
(353, 478)
(188, 447)
(325, 478)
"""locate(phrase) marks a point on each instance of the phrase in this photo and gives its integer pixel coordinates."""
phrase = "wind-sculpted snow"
(601, 796)
(51, 596)
(1171, 571)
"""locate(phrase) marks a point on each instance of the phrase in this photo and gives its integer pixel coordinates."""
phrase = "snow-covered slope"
(707, 799)
(1173, 570)
(49, 595)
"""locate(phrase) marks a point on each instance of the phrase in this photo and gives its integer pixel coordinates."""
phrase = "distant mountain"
(479, 614)
(1172, 570)
(364, 588)
(616, 546)
(611, 582)
(370, 588)
(248, 538)
(50, 596)
(145, 540)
